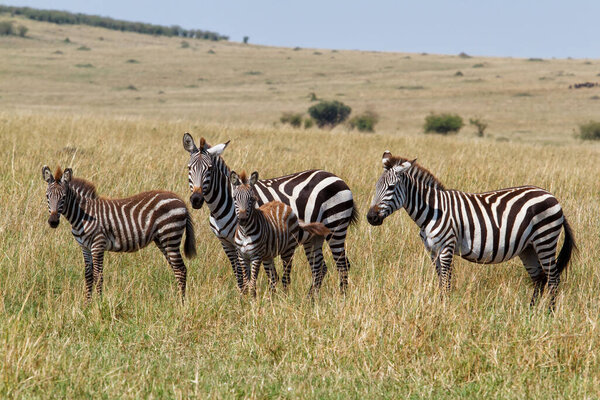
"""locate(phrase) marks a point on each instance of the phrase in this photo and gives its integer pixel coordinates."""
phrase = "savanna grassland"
(116, 113)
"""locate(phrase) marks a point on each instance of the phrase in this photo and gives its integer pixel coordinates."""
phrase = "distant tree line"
(64, 17)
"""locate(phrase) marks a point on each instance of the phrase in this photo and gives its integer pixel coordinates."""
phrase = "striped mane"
(417, 172)
(83, 188)
(423, 175)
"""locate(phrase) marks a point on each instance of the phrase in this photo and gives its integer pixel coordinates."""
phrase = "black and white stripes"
(121, 225)
(489, 227)
(314, 196)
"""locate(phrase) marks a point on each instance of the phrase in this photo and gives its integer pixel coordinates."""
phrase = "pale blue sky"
(514, 28)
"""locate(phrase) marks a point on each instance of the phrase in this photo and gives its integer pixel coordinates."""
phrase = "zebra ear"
(188, 143)
(218, 149)
(47, 174)
(254, 178)
(234, 178)
(67, 175)
(398, 169)
(386, 158)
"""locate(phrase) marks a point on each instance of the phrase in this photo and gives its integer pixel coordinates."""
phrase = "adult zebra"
(489, 227)
(314, 195)
(121, 225)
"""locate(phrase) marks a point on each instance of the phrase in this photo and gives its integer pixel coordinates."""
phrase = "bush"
(365, 122)
(590, 131)
(184, 44)
(308, 123)
(294, 119)
(6, 28)
(246, 38)
(443, 123)
(329, 113)
(480, 124)
(22, 30)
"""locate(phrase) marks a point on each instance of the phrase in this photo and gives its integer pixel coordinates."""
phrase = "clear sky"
(517, 28)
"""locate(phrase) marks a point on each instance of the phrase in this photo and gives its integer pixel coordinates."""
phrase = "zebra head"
(200, 167)
(243, 194)
(56, 193)
(390, 193)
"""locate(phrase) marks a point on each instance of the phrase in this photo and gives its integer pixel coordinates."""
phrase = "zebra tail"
(189, 247)
(315, 228)
(567, 249)
(354, 216)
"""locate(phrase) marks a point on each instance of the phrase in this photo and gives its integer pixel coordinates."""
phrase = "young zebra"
(485, 228)
(99, 224)
(314, 196)
(266, 232)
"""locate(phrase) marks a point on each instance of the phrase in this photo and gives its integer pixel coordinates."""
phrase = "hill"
(108, 72)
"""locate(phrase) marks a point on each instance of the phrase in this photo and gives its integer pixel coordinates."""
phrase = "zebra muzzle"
(197, 200)
(53, 220)
(373, 217)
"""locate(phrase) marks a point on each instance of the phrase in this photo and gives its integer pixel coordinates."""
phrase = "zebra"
(120, 225)
(313, 195)
(266, 232)
(486, 228)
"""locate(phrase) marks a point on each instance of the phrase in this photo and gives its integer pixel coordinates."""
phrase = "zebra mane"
(83, 188)
(423, 175)
(417, 172)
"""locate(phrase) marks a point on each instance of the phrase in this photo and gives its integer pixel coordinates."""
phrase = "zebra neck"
(219, 198)
(73, 211)
(251, 225)
(423, 201)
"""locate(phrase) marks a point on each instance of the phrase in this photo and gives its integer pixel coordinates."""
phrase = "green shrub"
(294, 119)
(185, 44)
(7, 28)
(443, 123)
(329, 113)
(246, 38)
(22, 30)
(480, 124)
(590, 131)
(308, 123)
(365, 122)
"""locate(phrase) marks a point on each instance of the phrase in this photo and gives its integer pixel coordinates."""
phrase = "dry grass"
(390, 337)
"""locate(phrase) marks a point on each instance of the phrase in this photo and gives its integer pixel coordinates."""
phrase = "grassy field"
(391, 336)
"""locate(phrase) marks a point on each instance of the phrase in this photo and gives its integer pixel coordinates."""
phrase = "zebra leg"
(254, 267)
(444, 258)
(532, 264)
(97, 250)
(338, 251)
(314, 253)
(287, 269)
(89, 272)
(271, 272)
(545, 250)
(240, 273)
(175, 260)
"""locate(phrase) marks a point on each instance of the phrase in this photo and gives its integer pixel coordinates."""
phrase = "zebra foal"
(266, 232)
(121, 225)
(485, 228)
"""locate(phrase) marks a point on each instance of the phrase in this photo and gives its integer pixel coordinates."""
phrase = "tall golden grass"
(391, 336)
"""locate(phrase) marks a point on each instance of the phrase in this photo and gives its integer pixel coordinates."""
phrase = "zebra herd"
(258, 220)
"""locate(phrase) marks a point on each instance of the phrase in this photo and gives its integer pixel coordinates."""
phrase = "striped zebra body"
(119, 225)
(314, 196)
(486, 228)
(266, 232)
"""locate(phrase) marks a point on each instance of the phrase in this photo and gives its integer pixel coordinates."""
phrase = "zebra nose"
(373, 217)
(197, 200)
(242, 214)
(53, 220)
